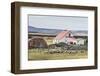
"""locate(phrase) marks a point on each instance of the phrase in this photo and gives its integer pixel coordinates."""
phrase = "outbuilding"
(37, 42)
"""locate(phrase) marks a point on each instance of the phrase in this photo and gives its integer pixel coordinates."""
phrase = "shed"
(66, 37)
(37, 42)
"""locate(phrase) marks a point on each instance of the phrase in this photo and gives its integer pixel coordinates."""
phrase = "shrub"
(65, 46)
(61, 44)
(77, 47)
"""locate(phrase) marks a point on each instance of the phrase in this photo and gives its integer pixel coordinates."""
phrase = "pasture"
(53, 54)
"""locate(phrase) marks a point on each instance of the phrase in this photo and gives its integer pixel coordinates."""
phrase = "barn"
(81, 41)
(37, 42)
(66, 37)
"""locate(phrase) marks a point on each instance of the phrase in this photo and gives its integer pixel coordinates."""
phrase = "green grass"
(43, 54)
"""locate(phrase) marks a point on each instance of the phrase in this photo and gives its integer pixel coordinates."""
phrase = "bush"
(65, 46)
(77, 47)
(61, 44)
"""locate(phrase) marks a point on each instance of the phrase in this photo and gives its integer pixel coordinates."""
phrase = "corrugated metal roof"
(61, 35)
(64, 34)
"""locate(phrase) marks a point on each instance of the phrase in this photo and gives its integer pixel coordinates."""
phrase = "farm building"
(47, 37)
(66, 37)
(80, 41)
(37, 42)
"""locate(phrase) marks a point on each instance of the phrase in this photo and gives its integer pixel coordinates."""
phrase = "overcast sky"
(59, 22)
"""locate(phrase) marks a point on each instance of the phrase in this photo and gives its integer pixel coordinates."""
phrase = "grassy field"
(43, 54)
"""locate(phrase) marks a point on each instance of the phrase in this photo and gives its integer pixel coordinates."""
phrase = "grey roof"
(80, 33)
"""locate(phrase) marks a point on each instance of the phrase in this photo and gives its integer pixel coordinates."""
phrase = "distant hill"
(43, 30)
(54, 31)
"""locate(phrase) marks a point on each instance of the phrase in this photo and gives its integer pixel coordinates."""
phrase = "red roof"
(63, 34)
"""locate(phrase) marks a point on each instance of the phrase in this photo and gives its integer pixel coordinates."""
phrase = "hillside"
(54, 31)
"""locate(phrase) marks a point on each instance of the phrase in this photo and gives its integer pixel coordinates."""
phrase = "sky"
(58, 22)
